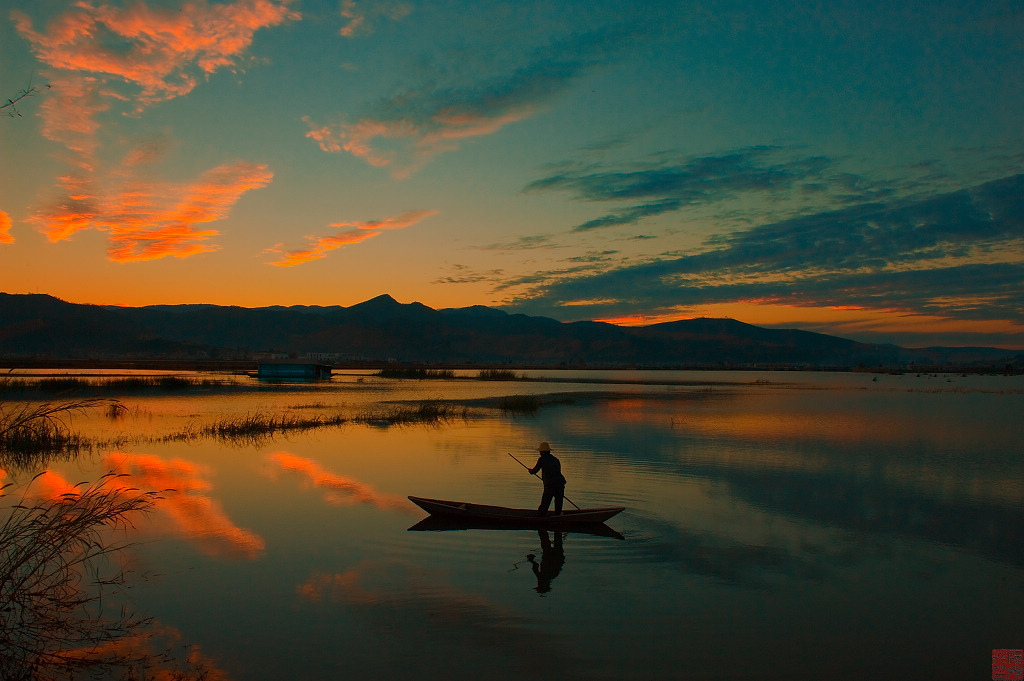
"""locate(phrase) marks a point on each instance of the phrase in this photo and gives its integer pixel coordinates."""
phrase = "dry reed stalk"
(56, 562)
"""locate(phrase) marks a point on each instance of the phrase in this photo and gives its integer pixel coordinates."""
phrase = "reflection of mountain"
(381, 329)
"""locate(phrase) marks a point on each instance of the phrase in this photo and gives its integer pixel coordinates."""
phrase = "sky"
(853, 168)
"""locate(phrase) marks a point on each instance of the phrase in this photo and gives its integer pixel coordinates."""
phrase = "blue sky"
(852, 168)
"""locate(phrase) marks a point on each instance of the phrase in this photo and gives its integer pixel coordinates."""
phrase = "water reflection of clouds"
(155, 652)
(51, 486)
(196, 515)
(340, 490)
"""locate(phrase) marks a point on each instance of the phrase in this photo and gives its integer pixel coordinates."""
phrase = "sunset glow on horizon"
(854, 170)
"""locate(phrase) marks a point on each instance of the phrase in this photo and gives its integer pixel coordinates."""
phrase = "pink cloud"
(5, 238)
(157, 49)
(320, 246)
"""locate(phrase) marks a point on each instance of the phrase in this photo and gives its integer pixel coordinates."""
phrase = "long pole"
(528, 468)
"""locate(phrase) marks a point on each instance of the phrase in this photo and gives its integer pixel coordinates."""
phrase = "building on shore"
(301, 371)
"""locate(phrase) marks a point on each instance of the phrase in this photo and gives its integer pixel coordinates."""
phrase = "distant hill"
(383, 330)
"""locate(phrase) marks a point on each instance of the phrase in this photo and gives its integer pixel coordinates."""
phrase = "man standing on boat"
(554, 482)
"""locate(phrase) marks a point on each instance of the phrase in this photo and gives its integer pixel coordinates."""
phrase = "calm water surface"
(778, 525)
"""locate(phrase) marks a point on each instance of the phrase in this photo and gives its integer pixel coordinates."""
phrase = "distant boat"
(522, 517)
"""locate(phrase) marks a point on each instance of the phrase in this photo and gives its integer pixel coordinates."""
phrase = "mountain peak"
(383, 301)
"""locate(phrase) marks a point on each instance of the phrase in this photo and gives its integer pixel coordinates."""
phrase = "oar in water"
(528, 468)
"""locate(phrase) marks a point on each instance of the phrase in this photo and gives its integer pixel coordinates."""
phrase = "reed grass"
(71, 384)
(427, 412)
(56, 564)
(256, 427)
(415, 373)
(31, 432)
(498, 375)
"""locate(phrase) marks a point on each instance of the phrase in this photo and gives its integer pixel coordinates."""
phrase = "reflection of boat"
(528, 518)
(440, 523)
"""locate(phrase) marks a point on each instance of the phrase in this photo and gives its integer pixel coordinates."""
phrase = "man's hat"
(543, 447)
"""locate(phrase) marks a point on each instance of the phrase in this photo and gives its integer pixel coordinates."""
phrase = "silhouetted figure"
(552, 559)
(554, 482)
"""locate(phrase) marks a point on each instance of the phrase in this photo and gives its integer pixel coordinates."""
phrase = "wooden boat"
(527, 517)
(447, 523)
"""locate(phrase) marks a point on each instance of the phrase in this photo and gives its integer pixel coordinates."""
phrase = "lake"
(778, 525)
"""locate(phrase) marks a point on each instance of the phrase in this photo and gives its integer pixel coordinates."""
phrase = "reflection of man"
(551, 561)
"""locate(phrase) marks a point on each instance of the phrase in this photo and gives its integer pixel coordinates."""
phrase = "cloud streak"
(436, 118)
(656, 187)
(319, 246)
(958, 255)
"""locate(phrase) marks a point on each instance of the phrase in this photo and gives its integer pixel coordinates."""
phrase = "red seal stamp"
(1008, 664)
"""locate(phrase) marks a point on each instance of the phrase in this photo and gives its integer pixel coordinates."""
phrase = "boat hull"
(524, 517)
(442, 523)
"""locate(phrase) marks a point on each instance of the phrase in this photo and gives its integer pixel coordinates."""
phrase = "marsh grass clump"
(69, 385)
(520, 404)
(255, 428)
(30, 432)
(498, 375)
(427, 412)
(528, 405)
(415, 373)
(56, 563)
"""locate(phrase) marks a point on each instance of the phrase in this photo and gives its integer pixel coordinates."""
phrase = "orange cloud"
(196, 515)
(320, 246)
(340, 490)
(157, 49)
(150, 220)
(5, 238)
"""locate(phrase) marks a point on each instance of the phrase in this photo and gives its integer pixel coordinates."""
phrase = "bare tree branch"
(8, 108)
